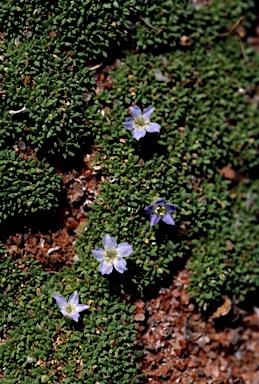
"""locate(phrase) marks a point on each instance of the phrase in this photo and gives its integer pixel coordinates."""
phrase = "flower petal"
(154, 219)
(135, 111)
(124, 250)
(73, 299)
(153, 127)
(81, 307)
(148, 112)
(105, 268)
(168, 219)
(120, 265)
(171, 207)
(159, 201)
(61, 301)
(149, 209)
(99, 254)
(138, 133)
(109, 242)
(128, 124)
(73, 316)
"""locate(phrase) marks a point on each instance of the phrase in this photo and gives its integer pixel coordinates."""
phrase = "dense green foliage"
(206, 124)
(26, 186)
(162, 24)
(46, 50)
(226, 261)
(39, 346)
(184, 61)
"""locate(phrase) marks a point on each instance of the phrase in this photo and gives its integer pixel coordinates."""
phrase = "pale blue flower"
(140, 122)
(112, 255)
(70, 308)
(161, 210)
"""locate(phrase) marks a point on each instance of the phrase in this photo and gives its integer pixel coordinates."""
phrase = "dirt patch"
(181, 346)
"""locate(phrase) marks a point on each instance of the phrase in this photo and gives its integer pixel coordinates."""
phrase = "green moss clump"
(47, 52)
(226, 262)
(38, 344)
(26, 186)
(165, 25)
(86, 27)
(52, 92)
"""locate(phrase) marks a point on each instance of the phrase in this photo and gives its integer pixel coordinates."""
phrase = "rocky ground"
(182, 346)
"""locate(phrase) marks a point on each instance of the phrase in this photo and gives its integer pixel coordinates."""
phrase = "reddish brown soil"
(181, 346)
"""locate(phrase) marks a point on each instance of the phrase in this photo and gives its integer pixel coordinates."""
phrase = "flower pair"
(113, 255)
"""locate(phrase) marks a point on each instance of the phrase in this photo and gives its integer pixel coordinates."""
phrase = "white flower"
(70, 308)
(112, 255)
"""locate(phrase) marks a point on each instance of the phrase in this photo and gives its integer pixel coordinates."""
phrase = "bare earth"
(181, 346)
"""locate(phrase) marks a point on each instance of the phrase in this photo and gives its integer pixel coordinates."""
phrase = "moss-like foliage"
(37, 343)
(189, 63)
(52, 92)
(26, 186)
(163, 25)
(226, 262)
(84, 26)
(48, 47)
(206, 124)
(46, 51)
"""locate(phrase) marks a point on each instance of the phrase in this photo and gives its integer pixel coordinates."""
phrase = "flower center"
(160, 210)
(70, 309)
(110, 254)
(140, 122)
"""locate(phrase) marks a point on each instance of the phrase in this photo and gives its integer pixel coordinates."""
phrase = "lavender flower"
(71, 308)
(112, 255)
(161, 210)
(140, 122)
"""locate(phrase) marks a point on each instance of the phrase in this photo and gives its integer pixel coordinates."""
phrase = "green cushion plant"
(188, 63)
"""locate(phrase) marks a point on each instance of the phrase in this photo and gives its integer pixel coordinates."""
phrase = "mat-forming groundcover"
(178, 103)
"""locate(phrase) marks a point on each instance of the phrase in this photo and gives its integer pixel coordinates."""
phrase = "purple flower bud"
(161, 210)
